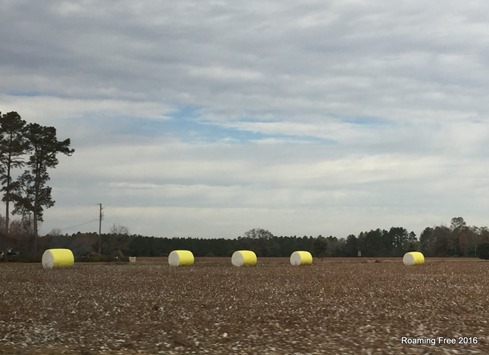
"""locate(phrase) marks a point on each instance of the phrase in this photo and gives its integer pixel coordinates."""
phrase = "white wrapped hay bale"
(132, 259)
(413, 258)
(181, 258)
(54, 258)
(244, 258)
(298, 258)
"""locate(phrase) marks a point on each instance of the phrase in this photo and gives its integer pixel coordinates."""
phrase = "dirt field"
(335, 306)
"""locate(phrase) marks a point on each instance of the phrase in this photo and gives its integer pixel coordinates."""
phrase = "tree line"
(458, 239)
(35, 148)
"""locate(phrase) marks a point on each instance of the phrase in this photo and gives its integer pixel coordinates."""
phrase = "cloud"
(211, 118)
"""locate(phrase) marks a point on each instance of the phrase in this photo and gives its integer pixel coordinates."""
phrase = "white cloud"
(205, 118)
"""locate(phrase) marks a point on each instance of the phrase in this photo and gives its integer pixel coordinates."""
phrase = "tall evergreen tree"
(43, 148)
(13, 147)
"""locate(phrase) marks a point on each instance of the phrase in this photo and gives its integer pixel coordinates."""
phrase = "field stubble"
(335, 306)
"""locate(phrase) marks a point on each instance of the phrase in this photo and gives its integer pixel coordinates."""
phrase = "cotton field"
(334, 306)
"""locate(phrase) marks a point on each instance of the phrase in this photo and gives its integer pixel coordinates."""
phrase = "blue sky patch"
(367, 121)
(189, 124)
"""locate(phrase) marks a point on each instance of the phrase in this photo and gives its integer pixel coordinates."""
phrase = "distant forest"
(458, 239)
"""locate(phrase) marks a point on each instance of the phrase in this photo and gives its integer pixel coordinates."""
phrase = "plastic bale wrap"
(413, 258)
(181, 258)
(298, 258)
(55, 258)
(244, 258)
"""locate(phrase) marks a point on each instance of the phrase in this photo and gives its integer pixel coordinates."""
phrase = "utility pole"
(100, 230)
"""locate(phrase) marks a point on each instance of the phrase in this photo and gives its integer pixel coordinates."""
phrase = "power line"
(79, 225)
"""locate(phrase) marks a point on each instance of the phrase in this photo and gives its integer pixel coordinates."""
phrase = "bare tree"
(118, 229)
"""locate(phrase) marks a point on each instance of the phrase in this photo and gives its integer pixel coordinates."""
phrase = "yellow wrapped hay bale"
(54, 258)
(300, 258)
(244, 258)
(181, 258)
(413, 258)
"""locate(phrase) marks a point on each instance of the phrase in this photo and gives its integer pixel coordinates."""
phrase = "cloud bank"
(209, 118)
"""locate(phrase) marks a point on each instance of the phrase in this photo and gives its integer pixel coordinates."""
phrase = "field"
(335, 306)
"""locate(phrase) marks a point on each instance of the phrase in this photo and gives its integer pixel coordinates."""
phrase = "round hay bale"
(244, 258)
(54, 258)
(300, 258)
(181, 258)
(413, 258)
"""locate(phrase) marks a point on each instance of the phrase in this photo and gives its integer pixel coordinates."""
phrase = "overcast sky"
(210, 118)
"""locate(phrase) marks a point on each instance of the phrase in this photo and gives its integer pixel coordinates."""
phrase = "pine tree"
(13, 147)
(43, 149)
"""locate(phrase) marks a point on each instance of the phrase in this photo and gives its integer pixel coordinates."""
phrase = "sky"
(210, 118)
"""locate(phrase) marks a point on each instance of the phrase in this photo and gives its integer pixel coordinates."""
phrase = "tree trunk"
(7, 202)
(6, 217)
(35, 213)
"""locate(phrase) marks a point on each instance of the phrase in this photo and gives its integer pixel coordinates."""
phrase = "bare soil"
(335, 306)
